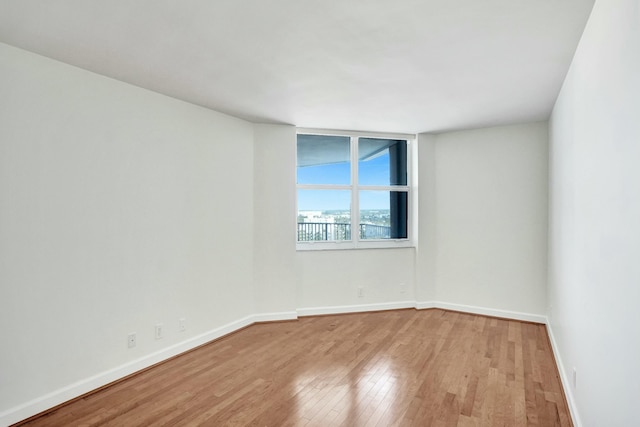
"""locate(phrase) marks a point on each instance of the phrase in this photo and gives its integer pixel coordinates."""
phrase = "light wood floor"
(392, 368)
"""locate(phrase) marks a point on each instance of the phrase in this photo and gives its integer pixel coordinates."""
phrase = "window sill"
(349, 246)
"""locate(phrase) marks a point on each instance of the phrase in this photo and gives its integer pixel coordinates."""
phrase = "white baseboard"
(425, 305)
(564, 377)
(57, 397)
(314, 311)
(515, 315)
(527, 317)
(275, 317)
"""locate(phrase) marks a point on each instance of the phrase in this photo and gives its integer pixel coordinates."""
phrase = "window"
(353, 191)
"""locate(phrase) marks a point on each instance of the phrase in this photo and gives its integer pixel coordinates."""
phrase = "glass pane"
(383, 215)
(382, 161)
(324, 215)
(323, 159)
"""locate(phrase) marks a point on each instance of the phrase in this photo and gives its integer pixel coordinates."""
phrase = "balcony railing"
(373, 231)
(322, 231)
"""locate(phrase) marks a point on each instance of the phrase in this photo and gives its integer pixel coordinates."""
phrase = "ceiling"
(376, 65)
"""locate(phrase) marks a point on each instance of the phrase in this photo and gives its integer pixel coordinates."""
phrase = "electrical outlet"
(182, 324)
(159, 332)
(131, 340)
(403, 288)
(360, 292)
(574, 378)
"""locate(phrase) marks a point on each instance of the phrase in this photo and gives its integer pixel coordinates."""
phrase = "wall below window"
(371, 278)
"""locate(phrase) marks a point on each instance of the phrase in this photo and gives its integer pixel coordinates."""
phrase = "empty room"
(305, 213)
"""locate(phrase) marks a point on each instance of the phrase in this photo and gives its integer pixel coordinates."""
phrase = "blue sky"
(372, 172)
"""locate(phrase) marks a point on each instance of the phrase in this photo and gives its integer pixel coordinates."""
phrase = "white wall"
(120, 208)
(594, 237)
(491, 218)
(426, 197)
(332, 278)
(275, 221)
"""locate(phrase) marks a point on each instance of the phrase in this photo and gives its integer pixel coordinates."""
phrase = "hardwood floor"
(393, 368)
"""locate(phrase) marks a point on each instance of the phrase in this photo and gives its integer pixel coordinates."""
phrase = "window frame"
(355, 188)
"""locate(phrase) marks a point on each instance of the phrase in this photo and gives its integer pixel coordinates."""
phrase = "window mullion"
(403, 188)
(323, 187)
(355, 202)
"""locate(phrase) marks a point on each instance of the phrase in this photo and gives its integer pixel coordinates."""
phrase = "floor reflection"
(332, 394)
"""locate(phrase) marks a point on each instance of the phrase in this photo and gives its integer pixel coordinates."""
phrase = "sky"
(371, 172)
